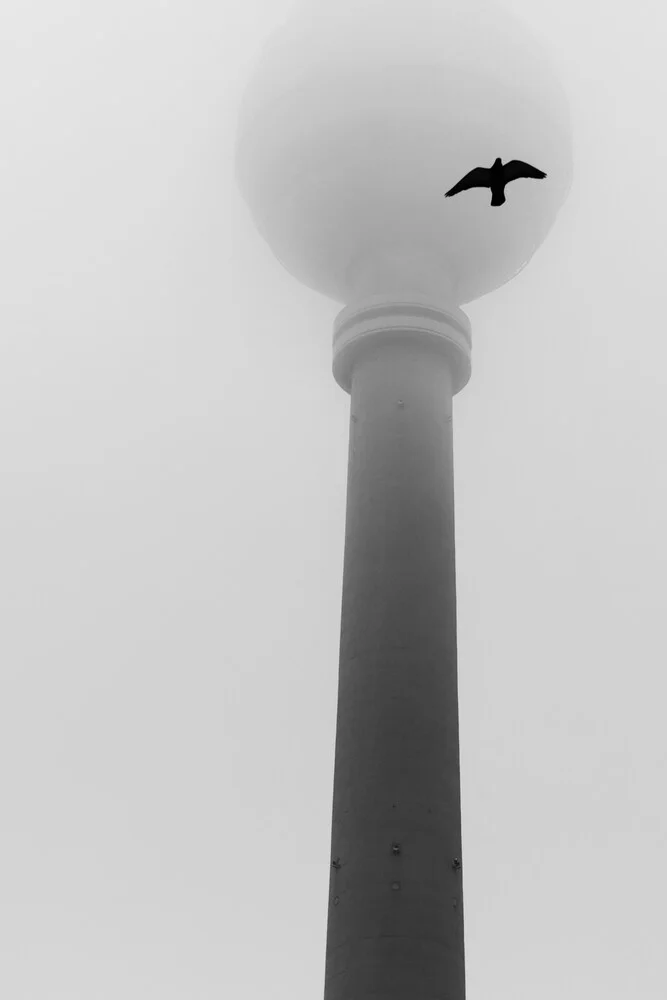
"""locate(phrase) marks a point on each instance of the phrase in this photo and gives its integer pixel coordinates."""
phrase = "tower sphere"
(361, 114)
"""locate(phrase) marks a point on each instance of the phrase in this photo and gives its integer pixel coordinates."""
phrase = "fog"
(175, 450)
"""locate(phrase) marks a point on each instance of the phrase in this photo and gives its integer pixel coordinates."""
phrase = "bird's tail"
(497, 197)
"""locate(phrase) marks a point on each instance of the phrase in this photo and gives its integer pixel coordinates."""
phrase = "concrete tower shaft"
(395, 923)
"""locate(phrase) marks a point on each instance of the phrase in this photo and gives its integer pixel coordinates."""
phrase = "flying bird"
(496, 177)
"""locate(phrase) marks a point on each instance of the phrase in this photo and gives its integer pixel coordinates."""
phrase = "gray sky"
(174, 451)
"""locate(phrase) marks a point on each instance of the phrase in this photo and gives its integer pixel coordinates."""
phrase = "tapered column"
(395, 924)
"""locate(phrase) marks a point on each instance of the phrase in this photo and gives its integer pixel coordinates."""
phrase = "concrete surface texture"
(396, 899)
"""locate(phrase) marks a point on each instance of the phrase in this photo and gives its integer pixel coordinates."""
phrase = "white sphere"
(361, 114)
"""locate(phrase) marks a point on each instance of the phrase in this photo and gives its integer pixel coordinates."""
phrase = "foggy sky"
(174, 450)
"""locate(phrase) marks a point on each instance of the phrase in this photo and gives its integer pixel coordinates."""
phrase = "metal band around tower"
(378, 320)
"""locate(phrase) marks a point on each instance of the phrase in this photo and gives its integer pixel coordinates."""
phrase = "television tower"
(359, 116)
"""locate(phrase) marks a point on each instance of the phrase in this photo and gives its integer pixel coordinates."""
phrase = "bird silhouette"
(496, 177)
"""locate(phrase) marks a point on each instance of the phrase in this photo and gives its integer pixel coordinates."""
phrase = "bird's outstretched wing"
(479, 177)
(515, 169)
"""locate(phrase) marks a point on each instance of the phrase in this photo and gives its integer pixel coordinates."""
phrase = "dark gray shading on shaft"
(496, 177)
